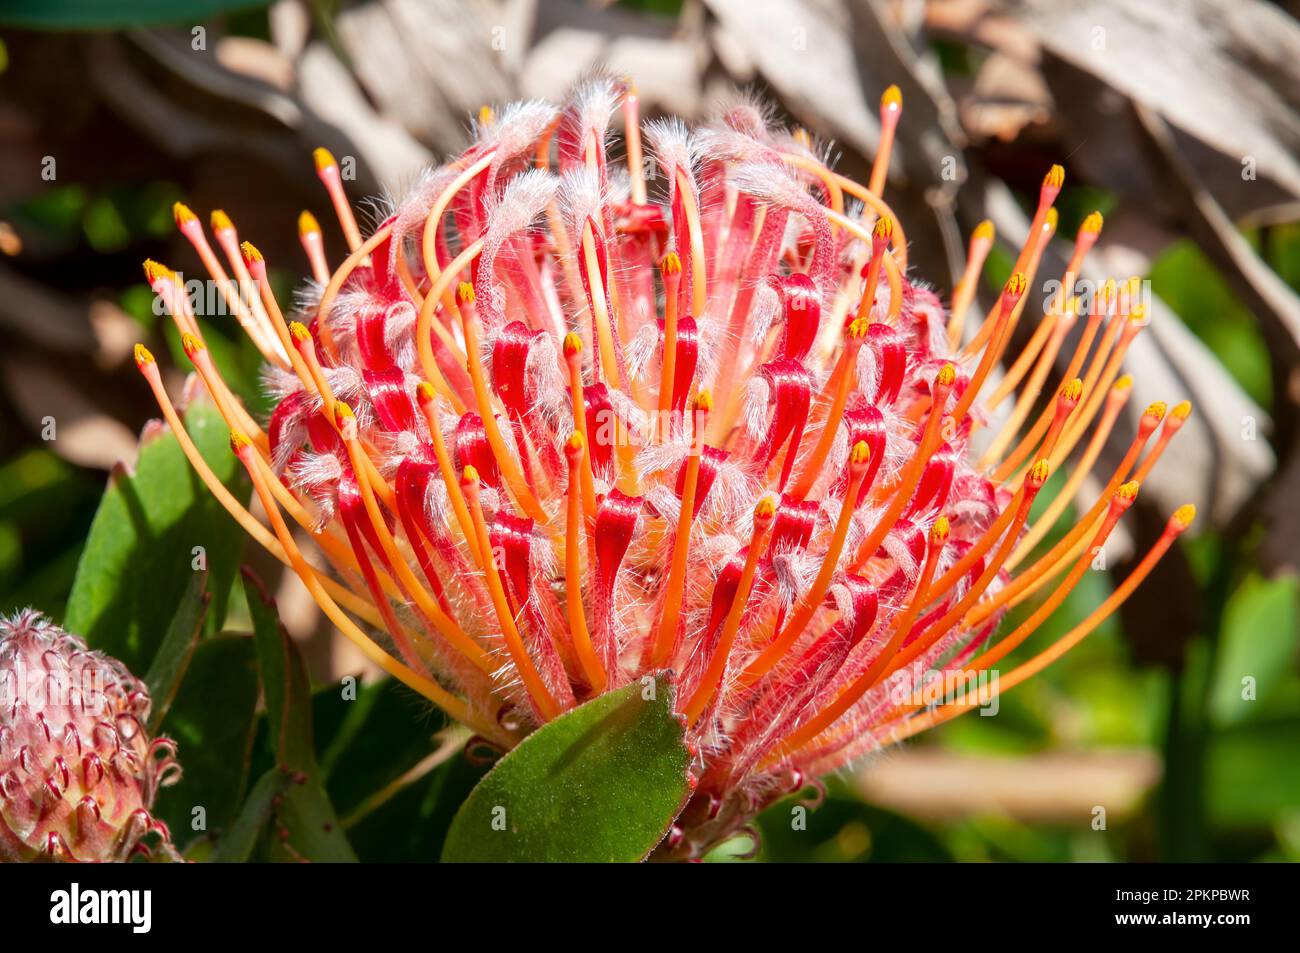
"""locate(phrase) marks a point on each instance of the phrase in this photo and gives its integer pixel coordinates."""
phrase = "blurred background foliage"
(1181, 717)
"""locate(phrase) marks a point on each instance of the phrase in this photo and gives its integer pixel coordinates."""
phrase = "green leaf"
(212, 720)
(1254, 677)
(354, 766)
(238, 843)
(177, 648)
(141, 553)
(411, 826)
(1254, 775)
(305, 824)
(600, 783)
(84, 14)
(307, 828)
(285, 685)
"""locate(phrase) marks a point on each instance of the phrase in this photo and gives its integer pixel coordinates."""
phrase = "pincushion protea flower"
(78, 770)
(551, 434)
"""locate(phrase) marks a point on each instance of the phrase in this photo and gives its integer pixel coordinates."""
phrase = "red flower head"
(555, 428)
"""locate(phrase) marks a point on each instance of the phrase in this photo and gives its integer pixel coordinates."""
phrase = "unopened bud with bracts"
(78, 769)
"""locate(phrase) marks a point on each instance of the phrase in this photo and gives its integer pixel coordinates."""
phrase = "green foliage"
(178, 645)
(600, 783)
(303, 823)
(97, 14)
(142, 553)
(212, 721)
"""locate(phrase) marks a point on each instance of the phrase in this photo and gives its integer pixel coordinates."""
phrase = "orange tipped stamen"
(911, 474)
(1119, 395)
(981, 243)
(1178, 523)
(812, 600)
(670, 615)
(880, 235)
(327, 170)
(431, 690)
(574, 571)
(313, 244)
(891, 108)
(573, 359)
(1013, 291)
(671, 269)
(541, 696)
(709, 681)
(863, 683)
(842, 379)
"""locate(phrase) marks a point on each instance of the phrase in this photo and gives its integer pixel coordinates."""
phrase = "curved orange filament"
(674, 590)
(454, 706)
(864, 682)
(411, 584)
(574, 571)
(842, 380)
(937, 716)
(424, 393)
(712, 677)
(811, 602)
(483, 397)
(912, 472)
(1118, 396)
(981, 243)
(863, 194)
(541, 696)
(607, 366)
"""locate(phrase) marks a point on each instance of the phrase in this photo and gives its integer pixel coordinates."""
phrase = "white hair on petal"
(764, 312)
(897, 548)
(642, 348)
(581, 198)
(627, 409)
(278, 383)
(724, 144)
(306, 299)
(769, 182)
(516, 129)
(594, 98)
(758, 393)
(399, 333)
(544, 383)
(674, 148)
(657, 457)
(868, 372)
(511, 211)
(709, 334)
